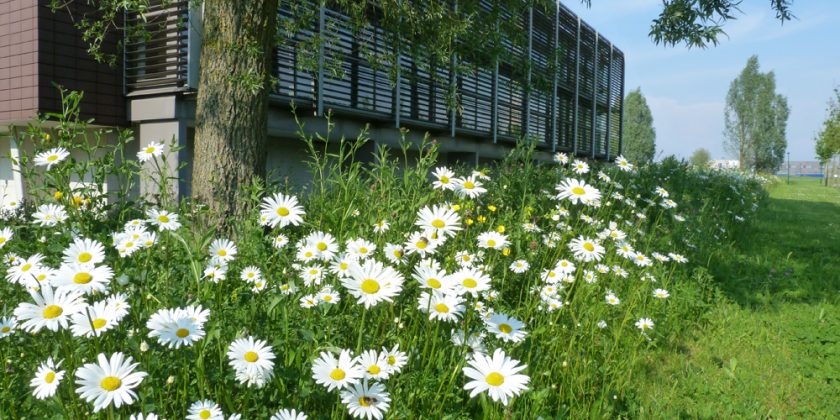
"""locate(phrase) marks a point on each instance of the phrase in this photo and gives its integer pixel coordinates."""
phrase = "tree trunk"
(232, 104)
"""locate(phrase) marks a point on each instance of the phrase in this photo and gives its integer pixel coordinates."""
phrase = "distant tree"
(639, 134)
(756, 119)
(700, 158)
(827, 141)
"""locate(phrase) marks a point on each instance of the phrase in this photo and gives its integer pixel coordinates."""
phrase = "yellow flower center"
(392, 360)
(150, 150)
(337, 374)
(442, 308)
(282, 212)
(373, 369)
(313, 271)
(491, 242)
(370, 286)
(205, 414)
(327, 298)
(98, 323)
(364, 401)
(110, 383)
(222, 253)
(495, 379)
(85, 257)
(433, 283)
(363, 250)
(589, 247)
(469, 283)
(444, 179)
(41, 277)
(129, 245)
(2, 240)
(251, 357)
(163, 218)
(469, 185)
(52, 158)
(6, 329)
(421, 244)
(505, 328)
(50, 377)
(438, 223)
(182, 332)
(398, 253)
(578, 191)
(52, 311)
(322, 246)
(343, 266)
(26, 267)
(82, 278)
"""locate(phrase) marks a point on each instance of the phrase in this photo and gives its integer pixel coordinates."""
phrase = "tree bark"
(232, 104)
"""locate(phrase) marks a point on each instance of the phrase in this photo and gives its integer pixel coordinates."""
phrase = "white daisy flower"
(109, 381)
(164, 220)
(644, 324)
(52, 309)
(395, 359)
(253, 359)
(223, 251)
(439, 219)
(577, 192)
(381, 226)
(580, 167)
(86, 278)
(372, 282)
(661, 294)
(152, 150)
(586, 249)
(335, 373)
(471, 280)
(84, 251)
(506, 328)
(46, 379)
(498, 375)
(444, 178)
(443, 307)
(492, 240)
(5, 235)
(49, 215)
(469, 187)
(7, 326)
(281, 210)
(368, 401)
(94, 320)
(205, 410)
(289, 414)
(375, 364)
(51, 157)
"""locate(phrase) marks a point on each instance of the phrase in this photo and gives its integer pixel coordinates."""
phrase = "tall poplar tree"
(756, 119)
(639, 134)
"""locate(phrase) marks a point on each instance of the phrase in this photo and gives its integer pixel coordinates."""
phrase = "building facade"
(153, 87)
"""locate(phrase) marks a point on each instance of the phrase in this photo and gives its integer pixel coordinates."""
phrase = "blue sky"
(686, 89)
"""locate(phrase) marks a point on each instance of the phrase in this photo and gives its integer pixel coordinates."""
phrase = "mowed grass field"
(770, 347)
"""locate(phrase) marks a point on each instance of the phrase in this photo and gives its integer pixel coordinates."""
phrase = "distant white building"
(724, 164)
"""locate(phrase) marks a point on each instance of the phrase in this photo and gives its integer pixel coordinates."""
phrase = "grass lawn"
(770, 347)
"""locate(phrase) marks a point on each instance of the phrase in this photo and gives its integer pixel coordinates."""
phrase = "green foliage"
(575, 367)
(828, 139)
(699, 23)
(639, 134)
(756, 119)
(700, 158)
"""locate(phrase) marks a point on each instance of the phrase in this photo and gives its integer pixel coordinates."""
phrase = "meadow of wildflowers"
(400, 288)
